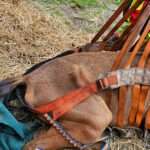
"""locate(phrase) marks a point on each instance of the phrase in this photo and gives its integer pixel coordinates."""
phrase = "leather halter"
(63, 104)
(113, 80)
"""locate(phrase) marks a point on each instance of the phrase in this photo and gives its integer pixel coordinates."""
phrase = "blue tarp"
(13, 134)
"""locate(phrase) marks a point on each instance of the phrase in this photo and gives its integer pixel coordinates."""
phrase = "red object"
(134, 16)
(63, 104)
(136, 13)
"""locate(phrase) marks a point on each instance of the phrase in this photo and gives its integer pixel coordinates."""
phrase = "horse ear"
(6, 86)
(81, 75)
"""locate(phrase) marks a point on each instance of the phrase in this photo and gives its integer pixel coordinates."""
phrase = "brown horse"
(87, 121)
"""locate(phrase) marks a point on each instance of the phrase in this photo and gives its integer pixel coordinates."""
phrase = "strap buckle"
(108, 81)
(124, 77)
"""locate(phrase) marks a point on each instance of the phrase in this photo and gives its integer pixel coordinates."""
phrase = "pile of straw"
(29, 35)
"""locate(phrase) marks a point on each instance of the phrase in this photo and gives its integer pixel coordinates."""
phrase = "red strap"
(63, 104)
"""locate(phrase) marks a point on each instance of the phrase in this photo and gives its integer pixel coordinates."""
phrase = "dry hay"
(29, 35)
(127, 144)
(129, 138)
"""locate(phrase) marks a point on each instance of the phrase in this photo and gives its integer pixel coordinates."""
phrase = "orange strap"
(141, 105)
(123, 90)
(110, 21)
(135, 32)
(127, 46)
(138, 45)
(65, 103)
(136, 88)
(147, 121)
(112, 80)
(124, 35)
(144, 89)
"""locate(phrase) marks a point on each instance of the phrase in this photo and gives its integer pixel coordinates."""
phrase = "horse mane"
(36, 66)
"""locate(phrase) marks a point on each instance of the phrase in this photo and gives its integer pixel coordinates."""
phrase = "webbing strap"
(139, 96)
(63, 104)
(141, 104)
(138, 45)
(135, 32)
(135, 90)
(127, 46)
(144, 89)
(125, 34)
(112, 80)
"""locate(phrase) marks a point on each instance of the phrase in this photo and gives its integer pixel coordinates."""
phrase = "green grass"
(84, 3)
(90, 12)
(79, 3)
(117, 1)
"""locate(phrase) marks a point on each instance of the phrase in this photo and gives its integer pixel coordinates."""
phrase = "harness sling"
(112, 80)
(55, 109)
(120, 41)
(143, 89)
(127, 46)
(121, 21)
(117, 43)
(136, 90)
(132, 37)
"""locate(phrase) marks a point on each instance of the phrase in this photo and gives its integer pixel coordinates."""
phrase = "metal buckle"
(126, 77)
(102, 84)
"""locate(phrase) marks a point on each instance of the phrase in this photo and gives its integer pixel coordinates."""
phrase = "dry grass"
(127, 144)
(28, 35)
